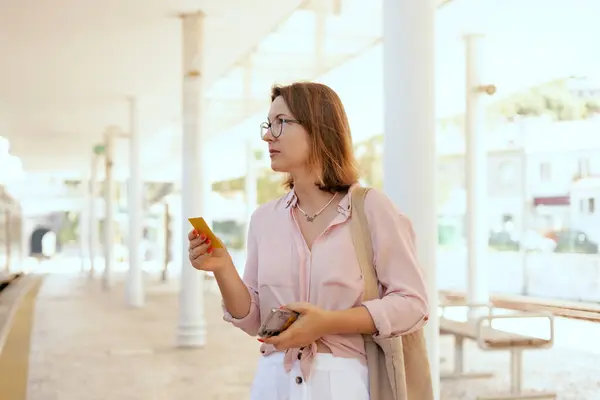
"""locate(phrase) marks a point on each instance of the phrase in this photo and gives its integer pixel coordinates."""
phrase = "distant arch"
(41, 244)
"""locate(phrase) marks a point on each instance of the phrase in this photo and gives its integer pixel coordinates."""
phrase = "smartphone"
(201, 226)
(277, 321)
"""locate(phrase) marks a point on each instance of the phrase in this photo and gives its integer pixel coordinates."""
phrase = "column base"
(191, 335)
(106, 282)
(135, 298)
(134, 289)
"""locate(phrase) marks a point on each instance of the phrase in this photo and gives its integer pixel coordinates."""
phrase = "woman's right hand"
(203, 257)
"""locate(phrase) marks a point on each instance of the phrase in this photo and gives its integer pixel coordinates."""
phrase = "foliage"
(269, 186)
(552, 98)
(230, 185)
(69, 229)
(369, 158)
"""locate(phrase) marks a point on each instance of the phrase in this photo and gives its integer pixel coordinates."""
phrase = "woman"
(301, 257)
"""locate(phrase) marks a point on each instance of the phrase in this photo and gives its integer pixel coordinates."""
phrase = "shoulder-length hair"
(321, 113)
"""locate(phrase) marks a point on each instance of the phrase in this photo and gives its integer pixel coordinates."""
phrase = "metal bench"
(488, 338)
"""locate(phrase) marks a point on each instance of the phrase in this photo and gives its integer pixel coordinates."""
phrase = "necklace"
(311, 219)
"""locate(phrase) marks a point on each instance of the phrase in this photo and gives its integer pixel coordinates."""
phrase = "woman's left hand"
(312, 324)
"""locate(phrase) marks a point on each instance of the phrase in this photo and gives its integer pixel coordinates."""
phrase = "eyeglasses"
(276, 127)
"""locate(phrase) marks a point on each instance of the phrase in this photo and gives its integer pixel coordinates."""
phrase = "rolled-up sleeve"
(403, 307)
(251, 322)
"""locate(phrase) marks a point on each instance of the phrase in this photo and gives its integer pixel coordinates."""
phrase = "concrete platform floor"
(87, 345)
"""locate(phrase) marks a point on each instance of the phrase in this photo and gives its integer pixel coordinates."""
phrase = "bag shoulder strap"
(363, 246)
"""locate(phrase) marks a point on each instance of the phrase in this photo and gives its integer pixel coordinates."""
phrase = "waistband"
(321, 361)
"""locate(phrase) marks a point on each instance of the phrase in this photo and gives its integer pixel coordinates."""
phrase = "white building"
(585, 215)
(532, 166)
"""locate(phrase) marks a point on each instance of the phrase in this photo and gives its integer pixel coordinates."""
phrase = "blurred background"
(98, 174)
(68, 69)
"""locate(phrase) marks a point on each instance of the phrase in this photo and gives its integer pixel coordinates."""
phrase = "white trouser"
(331, 378)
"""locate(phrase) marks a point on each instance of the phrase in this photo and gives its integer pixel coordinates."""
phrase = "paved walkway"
(87, 345)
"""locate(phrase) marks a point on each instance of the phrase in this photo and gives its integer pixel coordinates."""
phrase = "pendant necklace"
(311, 219)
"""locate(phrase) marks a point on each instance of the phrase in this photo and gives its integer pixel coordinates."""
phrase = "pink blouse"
(280, 269)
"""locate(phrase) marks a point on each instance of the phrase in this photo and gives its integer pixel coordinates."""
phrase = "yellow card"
(202, 227)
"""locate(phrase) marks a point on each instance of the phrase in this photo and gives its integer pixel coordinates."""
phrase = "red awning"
(552, 201)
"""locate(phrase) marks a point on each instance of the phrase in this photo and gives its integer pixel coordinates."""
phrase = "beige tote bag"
(398, 367)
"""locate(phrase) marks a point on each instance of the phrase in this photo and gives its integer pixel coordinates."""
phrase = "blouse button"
(298, 380)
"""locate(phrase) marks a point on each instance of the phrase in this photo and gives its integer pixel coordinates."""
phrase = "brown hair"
(321, 112)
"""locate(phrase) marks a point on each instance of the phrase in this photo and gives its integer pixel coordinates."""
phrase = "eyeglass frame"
(268, 124)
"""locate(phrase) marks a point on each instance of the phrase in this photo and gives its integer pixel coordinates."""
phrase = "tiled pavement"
(87, 345)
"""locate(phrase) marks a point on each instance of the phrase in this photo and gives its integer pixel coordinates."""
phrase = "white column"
(192, 325)
(8, 240)
(163, 243)
(135, 289)
(84, 223)
(250, 184)
(109, 211)
(27, 226)
(320, 35)
(250, 181)
(93, 216)
(177, 241)
(409, 155)
(23, 245)
(476, 171)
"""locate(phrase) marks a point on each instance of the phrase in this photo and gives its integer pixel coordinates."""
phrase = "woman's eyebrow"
(277, 116)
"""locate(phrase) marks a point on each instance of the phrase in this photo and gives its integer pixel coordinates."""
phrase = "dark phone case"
(277, 321)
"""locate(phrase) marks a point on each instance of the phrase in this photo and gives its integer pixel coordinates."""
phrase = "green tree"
(592, 107)
(370, 161)
(270, 186)
(552, 98)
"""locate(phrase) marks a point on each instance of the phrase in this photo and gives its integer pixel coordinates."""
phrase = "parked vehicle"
(503, 241)
(572, 241)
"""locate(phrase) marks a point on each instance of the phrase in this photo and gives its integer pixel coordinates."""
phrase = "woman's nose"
(268, 137)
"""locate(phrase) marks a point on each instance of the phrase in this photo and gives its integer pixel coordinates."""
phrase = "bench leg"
(459, 359)
(516, 382)
(516, 370)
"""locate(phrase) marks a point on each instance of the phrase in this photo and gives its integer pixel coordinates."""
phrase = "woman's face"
(287, 139)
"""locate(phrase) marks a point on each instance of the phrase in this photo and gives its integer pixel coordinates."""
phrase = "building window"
(508, 172)
(545, 171)
(591, 205)
(508, 222)
(583, 167)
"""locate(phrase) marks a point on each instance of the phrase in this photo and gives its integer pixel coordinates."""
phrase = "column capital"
(197, 14)
(473, 35)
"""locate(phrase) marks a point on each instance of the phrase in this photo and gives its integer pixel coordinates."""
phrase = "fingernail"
(209, 251)
(195, 233)
(208, 241)
(203, 236)
(260, 340)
